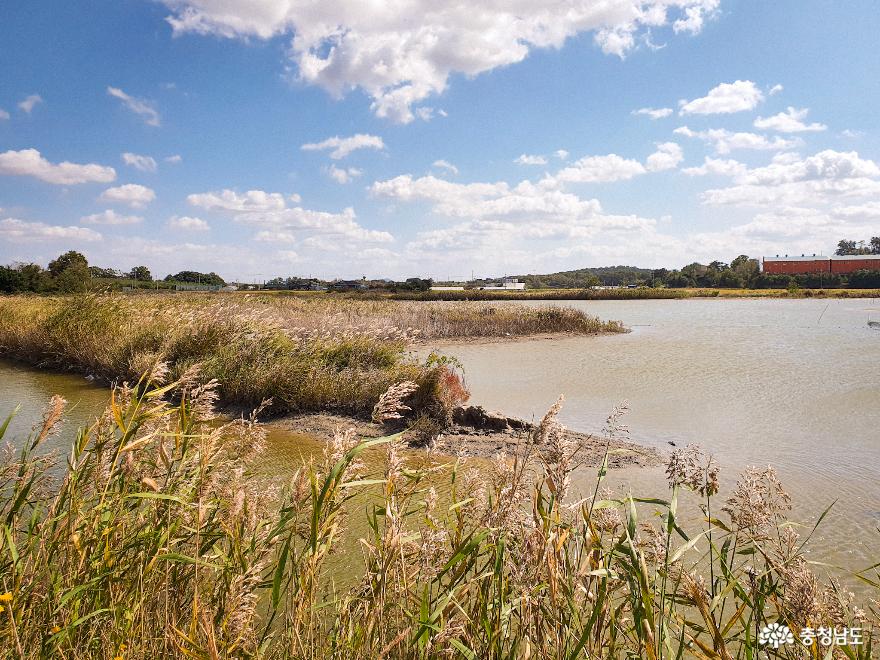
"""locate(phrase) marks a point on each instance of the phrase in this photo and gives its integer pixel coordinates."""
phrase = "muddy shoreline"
(476, 433)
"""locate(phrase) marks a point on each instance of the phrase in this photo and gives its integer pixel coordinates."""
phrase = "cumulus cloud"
(790, 121)
(188, 223)
(133, 194)
(695, 16)
(343, 174)
(719, 166)
(819, 181)
(270, 212)
(110, 217)
(401, 54)
(726, 98)
(600, 169)
(29, 162)
(526, 159)
(312, 223)
(145, 109)
(30, 102)
(15, 230)
(561, 154)
(174, 160)
(3, 114)
(653, 113)
(229, 200)
(445, 165)
(724, 141)
(525, 210)
(667, 157)
(342, 147)
(142, 163)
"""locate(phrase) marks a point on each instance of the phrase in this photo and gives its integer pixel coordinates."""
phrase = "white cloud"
(142, 163)
(526, 159)
(775, 90)
(29, 162)
(719, 166)
(342, 147)
(445, 165)
(849, 133)
(561, 154)
(3, 114)
(15, 230)
(825, 165)
(343, 174)
(314, 223)
(229, 200)
(667, 157)
(790, 121)
(695, 16)
(726, 98)
(275, 236)
(426, 113)
(133, 194)
(401, 54)
(724, 141)
(653, 113)
(146, 109)
(188, 223)
(270, 212)
(110, 217)
(819, 181)
(28, 104)
(174, 160)
(493, 210)
(600, 169)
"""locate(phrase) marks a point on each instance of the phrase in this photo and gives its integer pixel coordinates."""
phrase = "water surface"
(792, 383)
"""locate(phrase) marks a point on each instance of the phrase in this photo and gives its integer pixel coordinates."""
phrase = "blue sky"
(343, 138)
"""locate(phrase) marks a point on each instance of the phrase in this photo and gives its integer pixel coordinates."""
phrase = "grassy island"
(305, 353)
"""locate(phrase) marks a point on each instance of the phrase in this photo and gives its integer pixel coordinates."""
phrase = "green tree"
(68, 260)
(70, 272)
(875, 245)
(141, 273)
(192, 276)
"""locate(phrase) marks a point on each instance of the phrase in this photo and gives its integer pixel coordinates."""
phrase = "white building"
(506, 284)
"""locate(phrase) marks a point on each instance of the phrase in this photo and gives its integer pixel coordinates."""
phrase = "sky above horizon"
(341, 138)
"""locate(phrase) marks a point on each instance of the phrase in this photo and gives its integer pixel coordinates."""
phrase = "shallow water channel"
(792, 383)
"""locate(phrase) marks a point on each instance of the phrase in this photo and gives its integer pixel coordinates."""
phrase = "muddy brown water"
(792, 383)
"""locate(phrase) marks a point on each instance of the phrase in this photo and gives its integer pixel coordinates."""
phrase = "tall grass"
(640, 293)
(306, 355)
(156, 539)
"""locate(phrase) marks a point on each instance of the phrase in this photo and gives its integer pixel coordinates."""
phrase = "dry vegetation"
(155, 540)
(306, 354)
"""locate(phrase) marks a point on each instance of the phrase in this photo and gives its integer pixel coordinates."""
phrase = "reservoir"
(789, 383)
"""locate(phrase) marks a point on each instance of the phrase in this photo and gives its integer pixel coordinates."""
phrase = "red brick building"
(803, 264)
(852, 263)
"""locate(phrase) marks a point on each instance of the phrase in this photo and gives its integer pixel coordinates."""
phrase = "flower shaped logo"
(775, 635)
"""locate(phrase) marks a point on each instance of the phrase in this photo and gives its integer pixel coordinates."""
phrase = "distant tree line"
(71, 273)
(847, 247)
(313, 284)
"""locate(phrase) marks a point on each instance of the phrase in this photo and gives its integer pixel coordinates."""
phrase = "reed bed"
(640, 293)
(155, 538)
(306, 355)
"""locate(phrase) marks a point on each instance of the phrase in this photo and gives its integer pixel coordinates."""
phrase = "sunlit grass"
(157, 538)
